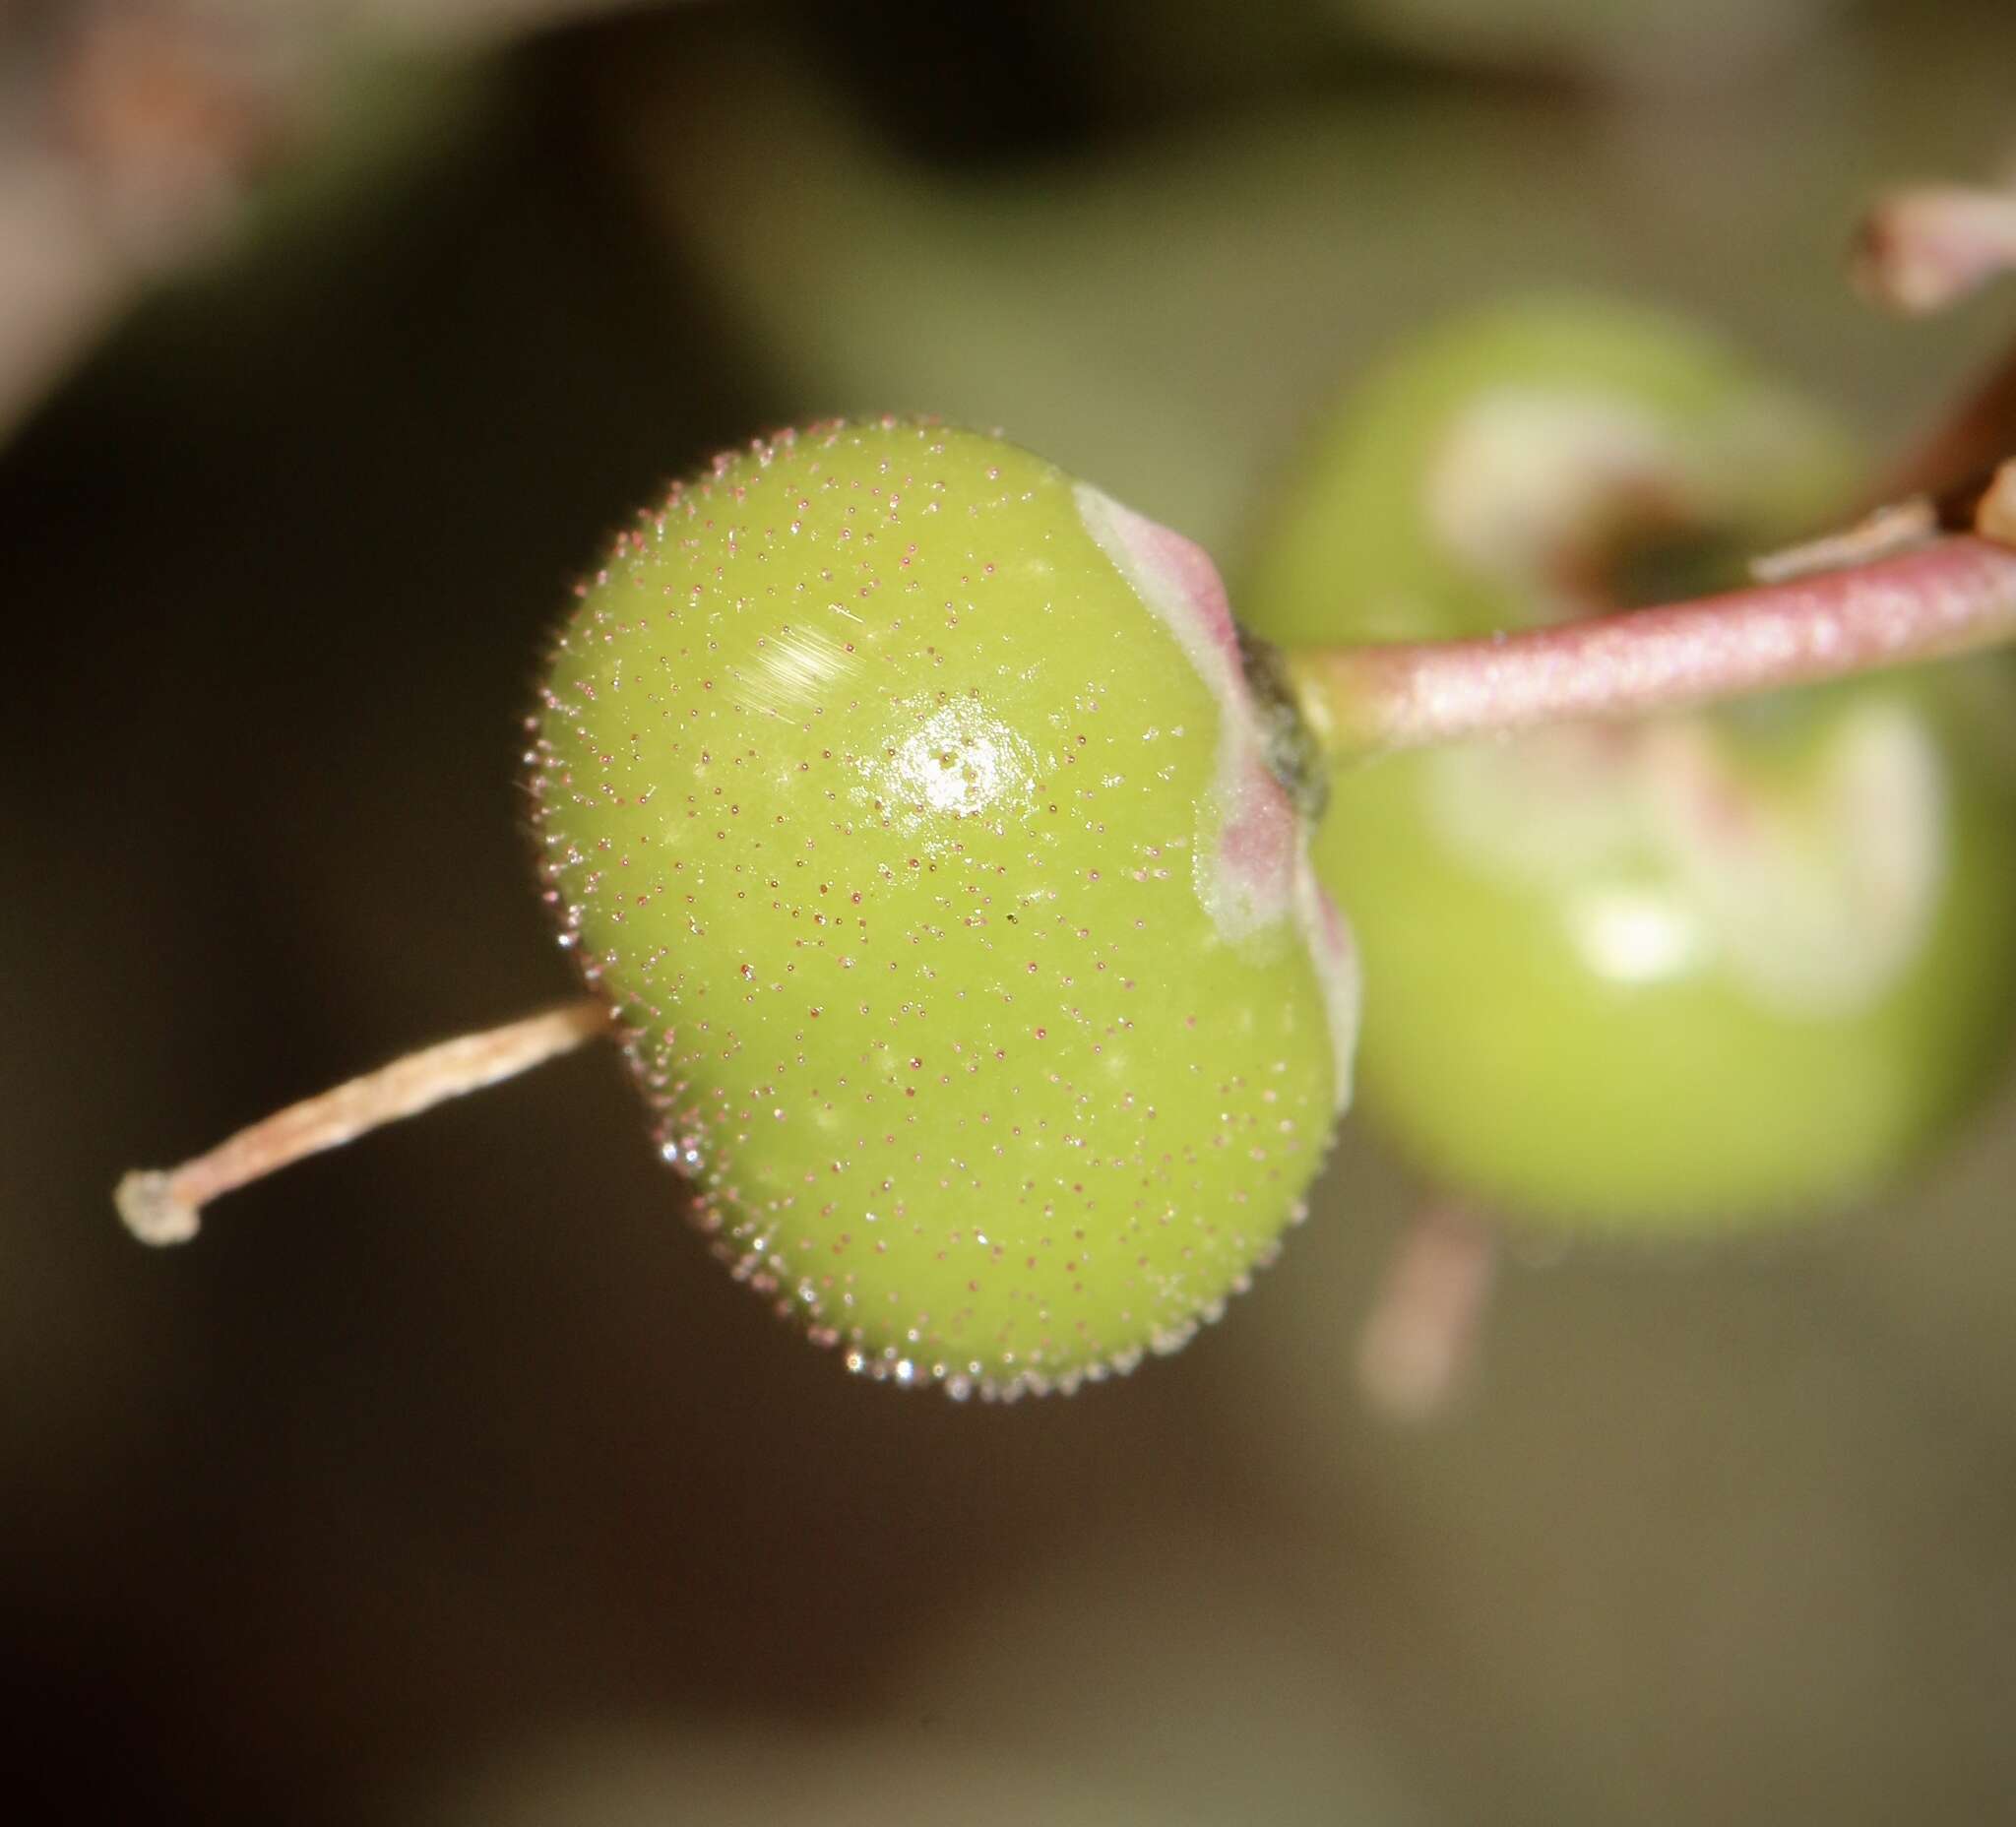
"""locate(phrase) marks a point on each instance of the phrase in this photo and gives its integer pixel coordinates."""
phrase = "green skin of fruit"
(1676, 975)
(908, 803)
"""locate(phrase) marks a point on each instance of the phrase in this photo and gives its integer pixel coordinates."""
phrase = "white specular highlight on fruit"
(963, 760)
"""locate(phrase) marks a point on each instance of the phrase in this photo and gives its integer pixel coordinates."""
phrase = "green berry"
(1653, 977)
(910, 805)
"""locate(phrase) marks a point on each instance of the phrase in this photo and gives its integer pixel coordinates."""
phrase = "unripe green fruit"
(910, 805)
(1653, 977)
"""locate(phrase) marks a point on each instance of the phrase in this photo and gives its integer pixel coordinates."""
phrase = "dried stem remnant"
(1894, 527)
(1995, 516)
(164, 1206)
(1925, 249)
(1423, 1334)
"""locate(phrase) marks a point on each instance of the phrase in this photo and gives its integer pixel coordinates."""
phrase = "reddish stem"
(1949, 596)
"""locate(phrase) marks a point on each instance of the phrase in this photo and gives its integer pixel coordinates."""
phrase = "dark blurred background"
(446, 1480)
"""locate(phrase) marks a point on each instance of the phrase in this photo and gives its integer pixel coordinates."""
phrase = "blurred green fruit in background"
(1661, 976)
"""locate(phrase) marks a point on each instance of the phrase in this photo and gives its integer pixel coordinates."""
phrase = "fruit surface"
(1663, 976)
(908, 803)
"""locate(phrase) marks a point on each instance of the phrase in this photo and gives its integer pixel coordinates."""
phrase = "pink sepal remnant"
(1253, 868)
